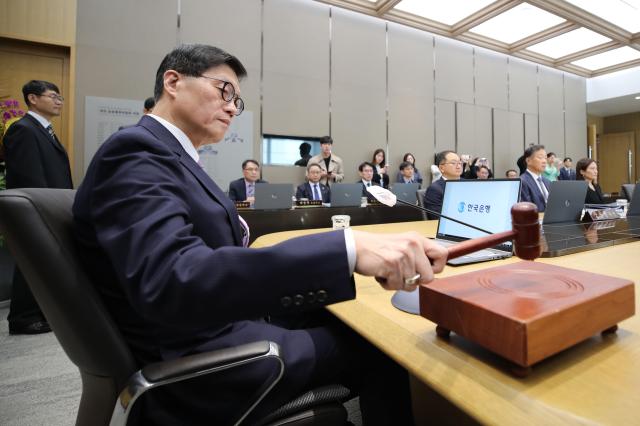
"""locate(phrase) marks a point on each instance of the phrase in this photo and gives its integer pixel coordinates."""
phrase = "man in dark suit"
(566, 171)
(244, 189)
(313, 189)
(365, 170)
(35, 158)
(535, 187)
(451, 168)
(164, 246)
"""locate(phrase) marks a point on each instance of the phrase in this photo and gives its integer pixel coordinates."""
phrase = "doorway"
(23, 61)
(616, 160)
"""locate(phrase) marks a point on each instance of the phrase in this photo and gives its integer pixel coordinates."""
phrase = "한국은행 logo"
(461, 206)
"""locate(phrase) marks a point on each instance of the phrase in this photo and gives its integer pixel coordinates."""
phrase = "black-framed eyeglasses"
(54, 97)
(229, 94)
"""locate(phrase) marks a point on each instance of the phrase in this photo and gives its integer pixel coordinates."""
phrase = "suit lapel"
(165, 136)
(53, 141)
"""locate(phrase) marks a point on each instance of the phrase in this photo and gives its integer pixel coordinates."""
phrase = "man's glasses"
(229, 94)
(54, 97)
(453, 163)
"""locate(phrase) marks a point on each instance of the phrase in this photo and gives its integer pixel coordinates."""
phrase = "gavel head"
(524, 219)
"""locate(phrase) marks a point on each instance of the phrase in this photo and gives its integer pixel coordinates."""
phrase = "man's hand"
(393, 258)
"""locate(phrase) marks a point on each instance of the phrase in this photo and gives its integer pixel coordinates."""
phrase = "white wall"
(316, 69)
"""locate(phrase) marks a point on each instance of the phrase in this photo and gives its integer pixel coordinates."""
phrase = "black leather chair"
(627, 190)
(37, 226)
(420, 194)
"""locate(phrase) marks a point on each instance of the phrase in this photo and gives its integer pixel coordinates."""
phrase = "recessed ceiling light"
(638, 97)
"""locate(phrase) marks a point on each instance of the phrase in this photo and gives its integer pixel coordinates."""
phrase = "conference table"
(458, 382)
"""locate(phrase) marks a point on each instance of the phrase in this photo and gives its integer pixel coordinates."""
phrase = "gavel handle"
(475, 244)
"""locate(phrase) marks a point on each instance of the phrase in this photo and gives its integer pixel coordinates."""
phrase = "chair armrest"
(167, 372)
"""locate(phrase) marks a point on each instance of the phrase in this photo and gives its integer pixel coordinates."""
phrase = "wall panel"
(523, 86)
(358, 91)
(445, 125)
(296, 68)
(491, 88)
(508, 144)
(575, 116)
(410, 97)
(474, 130)
(454, 70)
(551, 110)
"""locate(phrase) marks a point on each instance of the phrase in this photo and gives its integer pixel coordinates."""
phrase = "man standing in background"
(566, 171)
(35, 158)
(331, 164)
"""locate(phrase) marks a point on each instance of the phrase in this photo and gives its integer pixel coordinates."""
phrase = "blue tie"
(316, 194)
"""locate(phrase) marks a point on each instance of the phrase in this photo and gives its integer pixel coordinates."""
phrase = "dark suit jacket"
(594, 197)
(433, 197)
(567, 174)
(304, 191)
(380, 180)
(33, 158)
(162, 242)
(238, 190)
(530, 191)
(366, 193)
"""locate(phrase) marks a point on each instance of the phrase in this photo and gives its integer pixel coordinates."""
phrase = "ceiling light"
(517, 23)
(609, 58)
(570, 42)
(449, 12)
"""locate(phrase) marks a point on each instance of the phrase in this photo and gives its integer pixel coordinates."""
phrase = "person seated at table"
(244, 189)
(483, 173)
(512, 174)
(417, 177)
(450, 166)
(587, 170)
(407, 173)
(313, 189)
(380, 168)
(365, 170)
(535, 187)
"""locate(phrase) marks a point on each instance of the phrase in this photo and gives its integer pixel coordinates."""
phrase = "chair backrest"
(420, 193)
(37, 224)
(627, 190)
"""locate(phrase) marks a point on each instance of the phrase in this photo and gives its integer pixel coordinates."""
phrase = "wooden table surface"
(594, 382)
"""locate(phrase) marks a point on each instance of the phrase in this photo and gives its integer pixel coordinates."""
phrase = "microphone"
(388, 198)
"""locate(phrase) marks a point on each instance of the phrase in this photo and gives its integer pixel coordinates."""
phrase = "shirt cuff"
(350, 243)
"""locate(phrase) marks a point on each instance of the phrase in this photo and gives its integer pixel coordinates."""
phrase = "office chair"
(420, 193)
(627, 190)
(37, 224)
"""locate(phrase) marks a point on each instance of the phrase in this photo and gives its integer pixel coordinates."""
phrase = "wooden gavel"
(525, 235)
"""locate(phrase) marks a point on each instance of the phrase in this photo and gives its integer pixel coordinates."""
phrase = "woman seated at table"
(587, 170)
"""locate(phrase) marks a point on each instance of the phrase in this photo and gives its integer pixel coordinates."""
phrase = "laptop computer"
(406, 192)
(482, 203)
(272, 196)
(634, 208)
(346, 194)
(565, 202)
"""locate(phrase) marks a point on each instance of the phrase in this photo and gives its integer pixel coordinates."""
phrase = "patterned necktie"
(51, 132)
(543, 189)
(316, 195)
(251, 189)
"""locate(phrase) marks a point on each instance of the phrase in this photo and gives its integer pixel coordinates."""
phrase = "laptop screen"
(482, 203)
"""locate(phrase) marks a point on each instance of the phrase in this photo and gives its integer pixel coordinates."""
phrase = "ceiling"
(614, 106)
(584, 37)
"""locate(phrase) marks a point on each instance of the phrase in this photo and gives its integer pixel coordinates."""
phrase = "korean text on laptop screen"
(482, 203)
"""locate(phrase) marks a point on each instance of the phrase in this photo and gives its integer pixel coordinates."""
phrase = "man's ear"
(32, 97)
(171, 79)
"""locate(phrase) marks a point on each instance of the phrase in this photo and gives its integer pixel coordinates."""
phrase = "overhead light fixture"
(638, 97)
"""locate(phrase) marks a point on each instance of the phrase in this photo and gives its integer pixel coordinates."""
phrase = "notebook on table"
(273, 196)
(565, 202)
(482, 203)
(346, 194)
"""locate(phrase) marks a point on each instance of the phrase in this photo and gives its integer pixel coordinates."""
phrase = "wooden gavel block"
(527, 311)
